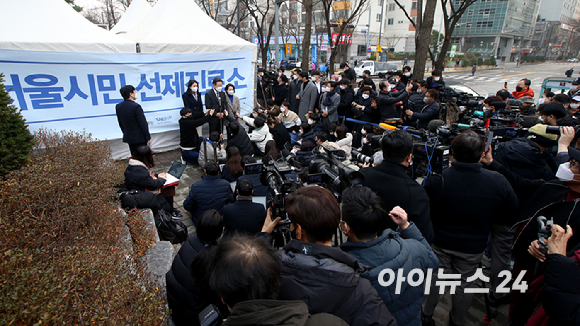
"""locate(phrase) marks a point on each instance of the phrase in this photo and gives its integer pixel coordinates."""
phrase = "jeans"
(190, 156)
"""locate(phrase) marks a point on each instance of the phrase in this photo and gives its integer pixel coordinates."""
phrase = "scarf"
(328, 98)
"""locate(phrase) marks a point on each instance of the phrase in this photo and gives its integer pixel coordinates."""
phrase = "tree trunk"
(440, 63)
(423, 37)
(307, 32)
(264, 51)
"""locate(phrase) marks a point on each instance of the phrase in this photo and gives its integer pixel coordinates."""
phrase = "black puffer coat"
(137, 177)
(328, 280)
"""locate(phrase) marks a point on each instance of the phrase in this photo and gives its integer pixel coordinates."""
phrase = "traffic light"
(350, 26)
(333, 25)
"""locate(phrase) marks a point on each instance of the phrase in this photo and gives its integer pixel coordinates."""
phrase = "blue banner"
(76, 91)
(314, 56)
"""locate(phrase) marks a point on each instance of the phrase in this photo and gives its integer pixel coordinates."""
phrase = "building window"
(391, 21)
(400, 21)
(487, 12)
(469, 12)
(484, 24)
(381, 3)
(392, 6)
(414, 5)
(378, 17)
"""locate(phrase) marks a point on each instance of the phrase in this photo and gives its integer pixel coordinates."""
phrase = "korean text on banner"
(76, 91)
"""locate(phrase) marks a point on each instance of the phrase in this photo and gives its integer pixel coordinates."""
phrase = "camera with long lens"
(331, 173)
(360, 157)
(544, 232)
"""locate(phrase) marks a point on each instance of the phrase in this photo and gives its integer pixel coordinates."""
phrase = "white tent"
(136, 11)
(53, 25)
(180, 26)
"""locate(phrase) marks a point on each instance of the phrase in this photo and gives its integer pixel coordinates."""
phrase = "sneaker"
(176, 215)
(183, 161)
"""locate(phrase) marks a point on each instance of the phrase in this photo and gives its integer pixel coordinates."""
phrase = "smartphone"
(505, 84)
(489, 140)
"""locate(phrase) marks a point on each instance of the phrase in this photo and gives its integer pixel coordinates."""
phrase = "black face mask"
(293, 234)
(519, 89)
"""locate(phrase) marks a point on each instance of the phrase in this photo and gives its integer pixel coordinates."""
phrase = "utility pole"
(369, 31)
(380, 27)
(277, 31)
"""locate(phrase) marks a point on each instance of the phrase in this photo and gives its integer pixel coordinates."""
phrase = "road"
(490, 81)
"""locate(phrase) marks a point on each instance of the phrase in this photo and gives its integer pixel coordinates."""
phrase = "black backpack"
(168, 228)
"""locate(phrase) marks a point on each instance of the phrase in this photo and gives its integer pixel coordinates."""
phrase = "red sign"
(344, 39)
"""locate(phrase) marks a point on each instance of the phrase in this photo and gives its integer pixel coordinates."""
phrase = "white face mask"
(194, 89)
(282, 109)
(325, 89)
(565, 174)
(231, 93)
(389, 87)
(365, 96)
(310, 121)
(312, 78)
(219, 88)
(364, 132)
(542, 100)
(436, 78)
(542, 119)
(294, 77)
(342, 87)
(426, 100)
(574, 106)
(407, 74)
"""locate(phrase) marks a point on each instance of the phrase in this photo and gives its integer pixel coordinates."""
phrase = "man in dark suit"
(244, 216)
(294, 89)
(132, 120)
(215, 100)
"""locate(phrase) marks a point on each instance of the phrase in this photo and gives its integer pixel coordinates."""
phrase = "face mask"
(389, 87)
(565, 174)
(364, 141)
(294, 77)
(310, 121)
(364, 132)
(436, 78)
(574, 106)
(426, 100)
(293, 234)
(542, 100)
(407, 74)
(312, 78)
(194, 89)
(282, 109)
(231, 93)
(519, 89)
(342, 87)
(219, 88)
(325, 89)
(365, 96)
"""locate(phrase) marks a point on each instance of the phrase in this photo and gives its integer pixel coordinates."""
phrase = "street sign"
(379, 48)
(364, 31)
(288, 48)
(369, 50)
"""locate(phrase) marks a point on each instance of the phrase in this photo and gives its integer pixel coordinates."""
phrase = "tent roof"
(136, 11)
(53, 25)
(179, 26)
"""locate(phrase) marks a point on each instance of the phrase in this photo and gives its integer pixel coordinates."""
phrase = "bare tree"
(392, 41)
(124, 4)
(357, 7)
(262, 14)
(451, 16)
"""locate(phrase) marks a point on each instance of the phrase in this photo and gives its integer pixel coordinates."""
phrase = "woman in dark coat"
(188, 292)
(233, 168)
(192, 97)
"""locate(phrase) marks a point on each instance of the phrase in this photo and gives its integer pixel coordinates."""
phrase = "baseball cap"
(526, 99)
(576, 98)
(574, 153)
(538, 134)
(576, 82)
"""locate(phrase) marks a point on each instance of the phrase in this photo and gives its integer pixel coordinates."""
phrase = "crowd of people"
(486, 204)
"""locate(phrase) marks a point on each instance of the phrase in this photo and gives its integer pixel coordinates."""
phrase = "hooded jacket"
(275, 312)
(524, 157)
(405, 249)
(328, 280)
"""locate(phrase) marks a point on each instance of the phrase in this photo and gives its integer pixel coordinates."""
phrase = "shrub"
(15, 140)
(63, 261)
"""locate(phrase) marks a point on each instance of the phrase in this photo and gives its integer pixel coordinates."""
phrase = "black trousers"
(133, 147)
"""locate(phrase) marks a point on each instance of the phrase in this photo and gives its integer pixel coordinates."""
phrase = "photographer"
(495, 104)
(237, 137)
(386, 101)
(465, 201)
(323, 276)
(551, 112)
(392, 183)
(245, 273)
(406, 249)
(429, 112)
(260, 136)
(243, 216)
(556, 200)
(435, 81)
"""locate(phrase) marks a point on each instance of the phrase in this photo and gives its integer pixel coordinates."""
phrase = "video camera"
(330, 173)
(360, 157)
(544, 232)
(430, 155)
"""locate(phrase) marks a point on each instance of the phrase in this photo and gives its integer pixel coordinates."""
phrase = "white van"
(376, 68)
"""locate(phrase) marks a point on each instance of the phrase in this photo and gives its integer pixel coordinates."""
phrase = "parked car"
(573, 60)
(376, 68)
(289, 63)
